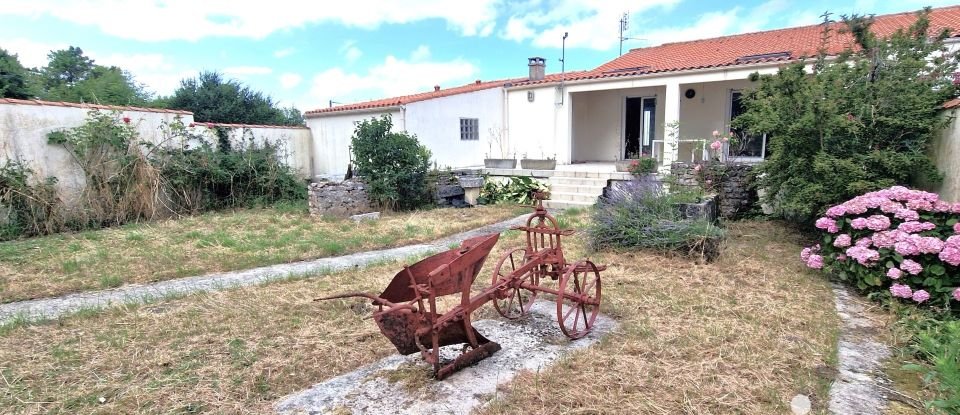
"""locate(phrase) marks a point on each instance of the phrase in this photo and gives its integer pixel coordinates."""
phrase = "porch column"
(671, 115)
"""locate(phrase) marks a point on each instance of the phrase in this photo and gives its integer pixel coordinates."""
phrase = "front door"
(638, 129)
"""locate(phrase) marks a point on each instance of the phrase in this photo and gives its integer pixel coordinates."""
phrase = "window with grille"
(469, 129)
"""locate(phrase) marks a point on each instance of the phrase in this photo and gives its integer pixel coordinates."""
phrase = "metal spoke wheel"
(579, 301)
(514, 301)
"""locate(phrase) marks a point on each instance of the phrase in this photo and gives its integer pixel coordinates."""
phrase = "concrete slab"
(531, 343)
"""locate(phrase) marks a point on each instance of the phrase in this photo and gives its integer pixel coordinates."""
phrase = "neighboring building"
(624, 107)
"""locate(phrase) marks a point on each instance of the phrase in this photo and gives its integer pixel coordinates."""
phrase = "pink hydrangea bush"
(900, 241)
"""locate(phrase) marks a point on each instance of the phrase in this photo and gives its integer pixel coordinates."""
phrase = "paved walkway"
(859, 386)
(49, 308)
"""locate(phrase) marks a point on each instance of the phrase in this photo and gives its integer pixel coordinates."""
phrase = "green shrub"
(939, 345)
(857, 123)
(394, 165)
(643, 165)
(27, 208)
(519, 189)
(642, 215)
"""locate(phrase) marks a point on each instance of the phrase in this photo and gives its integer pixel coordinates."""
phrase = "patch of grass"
(212, 242)
(742, 335)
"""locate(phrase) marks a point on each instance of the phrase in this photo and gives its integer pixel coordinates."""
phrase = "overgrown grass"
(742, 335)
(926, 365)
(212, 242)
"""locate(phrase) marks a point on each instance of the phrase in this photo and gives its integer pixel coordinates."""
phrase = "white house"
(625, 107)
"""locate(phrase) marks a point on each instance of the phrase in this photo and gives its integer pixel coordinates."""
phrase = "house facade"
(663, 101)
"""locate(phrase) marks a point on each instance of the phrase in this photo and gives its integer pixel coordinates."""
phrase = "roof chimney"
(538, 67)
(436, 88)
(478, 82)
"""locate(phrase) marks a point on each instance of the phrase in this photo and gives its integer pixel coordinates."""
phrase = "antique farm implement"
(407, 311)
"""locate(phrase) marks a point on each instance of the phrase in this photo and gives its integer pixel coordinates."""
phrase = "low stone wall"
(340, 199)
(735, 191)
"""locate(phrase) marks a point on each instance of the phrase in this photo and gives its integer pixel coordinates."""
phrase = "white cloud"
(421, 53)
(392, 77)
(283, 53)
(720, 23)
(590, 24)
(290, 80)
(193, 20)
(350, 51)
(31, 54)
(242, 71)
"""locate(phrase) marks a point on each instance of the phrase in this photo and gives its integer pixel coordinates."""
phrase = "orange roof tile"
(228, 125)
(91, 106)
(781, 45)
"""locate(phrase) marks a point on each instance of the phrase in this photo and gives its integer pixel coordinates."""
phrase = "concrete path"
(859, 386)
(530, 343)
(49, 308)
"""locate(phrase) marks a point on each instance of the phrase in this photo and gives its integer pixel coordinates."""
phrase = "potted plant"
(549, 163)
(496, 136)
(637, 164)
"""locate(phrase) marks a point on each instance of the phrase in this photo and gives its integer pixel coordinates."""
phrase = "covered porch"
(669, 118)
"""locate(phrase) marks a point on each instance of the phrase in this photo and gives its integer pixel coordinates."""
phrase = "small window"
(469, 129)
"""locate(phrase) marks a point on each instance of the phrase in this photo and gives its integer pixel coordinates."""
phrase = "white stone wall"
(331, 138)
(24, 129)
(945, 151)
(541, 127)
(436, 123)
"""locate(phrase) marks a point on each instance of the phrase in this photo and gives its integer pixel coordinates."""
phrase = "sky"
(307, 53)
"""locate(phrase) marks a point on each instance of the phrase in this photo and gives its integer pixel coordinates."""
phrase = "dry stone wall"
(734, 190)
(339, 199)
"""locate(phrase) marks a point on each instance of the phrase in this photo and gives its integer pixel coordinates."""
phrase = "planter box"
(500, 163)
(623, 165)
(705, 209)
(538, 164)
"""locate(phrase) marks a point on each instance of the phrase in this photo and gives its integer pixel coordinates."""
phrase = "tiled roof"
(436, 93)
(953, 103)
(227, 125)
(781, 45)
(91, 106)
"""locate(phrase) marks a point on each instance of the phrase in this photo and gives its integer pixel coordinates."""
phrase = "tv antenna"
(624, 26)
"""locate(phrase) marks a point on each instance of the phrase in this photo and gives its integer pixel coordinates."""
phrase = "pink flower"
(696, 168)
(894, 273)
(815, 261)
(956, 228)
(865, 256)
(193, 125)
(842, 241)
(827, 224)
(725, 139)
(126, 120)
(889, 206)
(901, 291)
(884, 239)
(929, 244)
(836, 211)
(716, 145)
(914, 226)
(864, 242)
(907, 214)
(708, 181)
(920, 296)
(716, 133)
(956, 294)
(842, 258)
(859, 223)
(878, 222)
(951, 251)
(910, 266)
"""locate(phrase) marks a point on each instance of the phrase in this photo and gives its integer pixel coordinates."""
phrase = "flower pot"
(538, 164)
(623, 165)
(500, 163)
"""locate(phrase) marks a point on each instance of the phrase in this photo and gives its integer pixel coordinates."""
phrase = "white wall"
(945, 151)
(539, 128)
(598, 121)
(24, 129)
(331, 139)
(436, 123)
(709, 110)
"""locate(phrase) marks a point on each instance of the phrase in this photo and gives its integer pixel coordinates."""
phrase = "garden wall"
(736, 195)
(24, 125)
(945, 152)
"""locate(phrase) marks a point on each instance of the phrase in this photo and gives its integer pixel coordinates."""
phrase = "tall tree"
(72, 76)
(13, 77)
(213, 98)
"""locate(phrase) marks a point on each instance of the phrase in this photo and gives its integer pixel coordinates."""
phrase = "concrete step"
(578, 181)
(573, 197)
(572, 188)
(563, 204)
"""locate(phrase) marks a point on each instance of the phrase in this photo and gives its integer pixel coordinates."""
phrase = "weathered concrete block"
(339, 199)
(366, 216)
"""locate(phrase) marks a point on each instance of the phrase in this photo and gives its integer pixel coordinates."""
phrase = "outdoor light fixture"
(690, 93)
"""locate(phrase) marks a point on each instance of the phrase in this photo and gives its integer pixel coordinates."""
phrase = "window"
(745, 145)
(469, 129)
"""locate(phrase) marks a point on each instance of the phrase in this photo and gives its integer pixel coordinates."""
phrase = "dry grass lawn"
(742, 335)
(213, 242)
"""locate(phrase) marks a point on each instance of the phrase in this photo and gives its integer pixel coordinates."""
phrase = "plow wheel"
(579, 301)
(514, 301)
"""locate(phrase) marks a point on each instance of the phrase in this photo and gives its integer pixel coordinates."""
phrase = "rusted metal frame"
(579, 298)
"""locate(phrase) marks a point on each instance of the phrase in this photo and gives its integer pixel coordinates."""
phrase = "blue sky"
(306, 53)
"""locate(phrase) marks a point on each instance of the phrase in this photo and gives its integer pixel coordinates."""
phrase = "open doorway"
(638, 129)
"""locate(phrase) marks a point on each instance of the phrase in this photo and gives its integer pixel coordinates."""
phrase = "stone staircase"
(570, 192)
